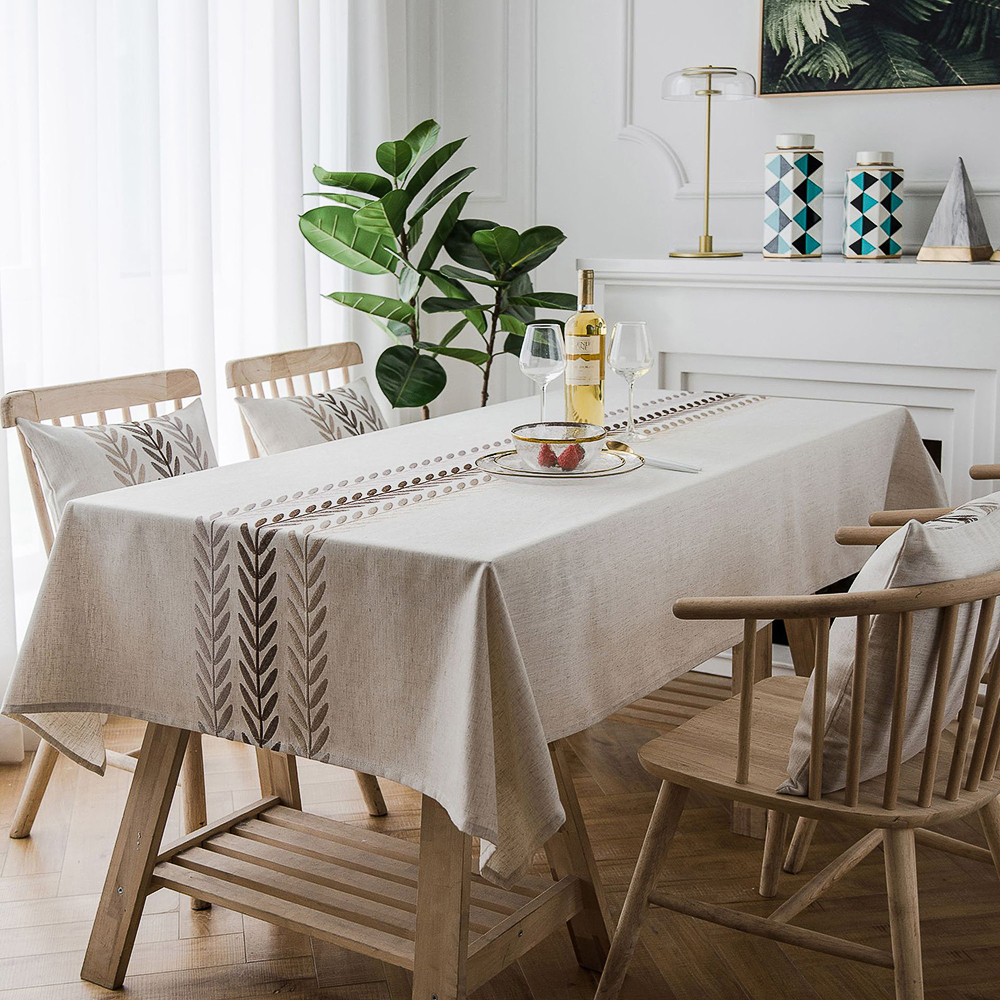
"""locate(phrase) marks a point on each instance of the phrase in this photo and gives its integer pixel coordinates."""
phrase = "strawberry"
(571, 457)
(546, 456)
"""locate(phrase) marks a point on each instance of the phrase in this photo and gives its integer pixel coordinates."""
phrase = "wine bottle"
(585, 354)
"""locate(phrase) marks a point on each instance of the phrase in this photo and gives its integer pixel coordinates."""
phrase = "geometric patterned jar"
(873, 195)
(793, 198)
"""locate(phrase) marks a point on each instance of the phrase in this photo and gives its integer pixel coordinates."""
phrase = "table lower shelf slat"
(351, 886)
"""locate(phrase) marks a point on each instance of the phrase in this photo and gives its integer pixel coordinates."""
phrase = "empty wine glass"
(542, 356)
(631, 356)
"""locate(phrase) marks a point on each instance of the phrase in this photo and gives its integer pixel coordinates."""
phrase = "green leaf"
(394, 156)
(422, 137)
(442, 231)
(400, 332)
(520, 286)
(331, 230)
(431, 166)
(385, 215)
(414, 233)
(462, 353)
(353, 180)
(354, 200)
(438, 304)
(461, 247)
(456, 290)
(445, 187)
(454, 332)
(515, 333)
(409, 378)
(408, 280)
(536, 244)
(498, 245)
(462, 274)
(376, 305)
(789, 23)
(545, 300)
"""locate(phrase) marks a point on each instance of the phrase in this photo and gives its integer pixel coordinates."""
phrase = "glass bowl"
(558, 446)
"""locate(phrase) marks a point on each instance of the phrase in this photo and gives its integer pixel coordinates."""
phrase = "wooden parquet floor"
(49, 886)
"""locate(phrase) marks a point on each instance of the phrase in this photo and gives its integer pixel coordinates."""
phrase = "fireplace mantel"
(920, 334)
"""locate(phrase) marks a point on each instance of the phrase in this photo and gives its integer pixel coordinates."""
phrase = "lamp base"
(709, 253)
(705, 249)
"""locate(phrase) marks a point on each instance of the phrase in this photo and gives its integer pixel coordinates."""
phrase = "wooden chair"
(76, 401)
(247, 375)
(880, 526)
(739, 750)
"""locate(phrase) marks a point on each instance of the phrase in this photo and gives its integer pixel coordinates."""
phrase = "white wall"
(619, 169)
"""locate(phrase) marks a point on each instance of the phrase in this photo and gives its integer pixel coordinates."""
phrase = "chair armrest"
(984, 472)
(882, 518)
(864, 534)
(868, 602)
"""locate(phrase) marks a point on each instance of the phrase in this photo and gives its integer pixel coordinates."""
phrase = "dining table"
(390, 603)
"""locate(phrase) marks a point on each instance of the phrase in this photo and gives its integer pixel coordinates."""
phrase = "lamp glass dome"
(690, 84)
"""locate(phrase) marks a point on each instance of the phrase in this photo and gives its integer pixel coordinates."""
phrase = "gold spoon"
(657, 463)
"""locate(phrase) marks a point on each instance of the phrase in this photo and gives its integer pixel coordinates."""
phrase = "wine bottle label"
(583, 345)
(579, 371)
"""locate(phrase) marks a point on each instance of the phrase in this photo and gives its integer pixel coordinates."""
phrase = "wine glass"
(542, 356)
(631, 356)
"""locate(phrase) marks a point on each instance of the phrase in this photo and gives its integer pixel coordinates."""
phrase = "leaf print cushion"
(80, 461)
(284, 424)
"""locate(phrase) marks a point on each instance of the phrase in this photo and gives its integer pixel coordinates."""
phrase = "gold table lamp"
(727, 83)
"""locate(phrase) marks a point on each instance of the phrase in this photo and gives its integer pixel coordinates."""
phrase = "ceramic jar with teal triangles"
(793, 197)
(873, 196)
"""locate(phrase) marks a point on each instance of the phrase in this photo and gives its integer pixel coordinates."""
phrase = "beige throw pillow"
(80, 461)
(290, 422)
(959, 545)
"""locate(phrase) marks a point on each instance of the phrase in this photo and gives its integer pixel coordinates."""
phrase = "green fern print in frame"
(840, 46)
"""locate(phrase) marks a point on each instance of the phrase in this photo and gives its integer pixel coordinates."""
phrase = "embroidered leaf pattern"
(125, 461)
(157, 448)
(358, 415)
(307, 657)
(318, 417)
(212, 617)
(188, 443)
(258, 626)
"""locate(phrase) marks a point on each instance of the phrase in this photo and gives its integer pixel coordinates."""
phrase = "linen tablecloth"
(380, 603)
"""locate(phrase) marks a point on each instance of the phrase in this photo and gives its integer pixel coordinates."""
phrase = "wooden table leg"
(751, 821)
(801, 634)
(441, 945)
(193, 787)
(279, 776)
(134, 856)
(569, 853)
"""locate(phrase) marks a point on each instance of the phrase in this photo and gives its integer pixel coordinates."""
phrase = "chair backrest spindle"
(819, 708)
(942, 677)
(859, 689)
(898, 725)
(966, 716)
(987, 723)
(746, 701)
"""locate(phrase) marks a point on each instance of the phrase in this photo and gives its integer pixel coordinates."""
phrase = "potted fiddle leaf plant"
(375, 225)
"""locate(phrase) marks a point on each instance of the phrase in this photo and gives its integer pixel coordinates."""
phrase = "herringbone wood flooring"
(49, 886)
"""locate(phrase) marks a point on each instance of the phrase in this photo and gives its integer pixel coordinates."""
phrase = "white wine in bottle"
(585, 336)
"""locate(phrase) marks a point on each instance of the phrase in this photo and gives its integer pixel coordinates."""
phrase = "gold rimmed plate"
(607, 463)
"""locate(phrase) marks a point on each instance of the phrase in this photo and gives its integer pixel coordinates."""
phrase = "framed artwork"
(852, 46)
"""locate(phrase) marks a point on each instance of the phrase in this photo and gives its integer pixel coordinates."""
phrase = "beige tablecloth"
(380, 603)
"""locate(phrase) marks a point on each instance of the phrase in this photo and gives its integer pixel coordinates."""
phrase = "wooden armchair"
(76, 401)
(740, 749)
(277, 371)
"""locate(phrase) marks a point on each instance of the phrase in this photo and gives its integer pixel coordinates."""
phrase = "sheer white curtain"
(155, 156)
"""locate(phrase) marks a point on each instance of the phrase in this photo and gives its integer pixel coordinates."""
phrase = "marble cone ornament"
(957, 230)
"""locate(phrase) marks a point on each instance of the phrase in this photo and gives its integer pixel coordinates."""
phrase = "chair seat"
(701, 753)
